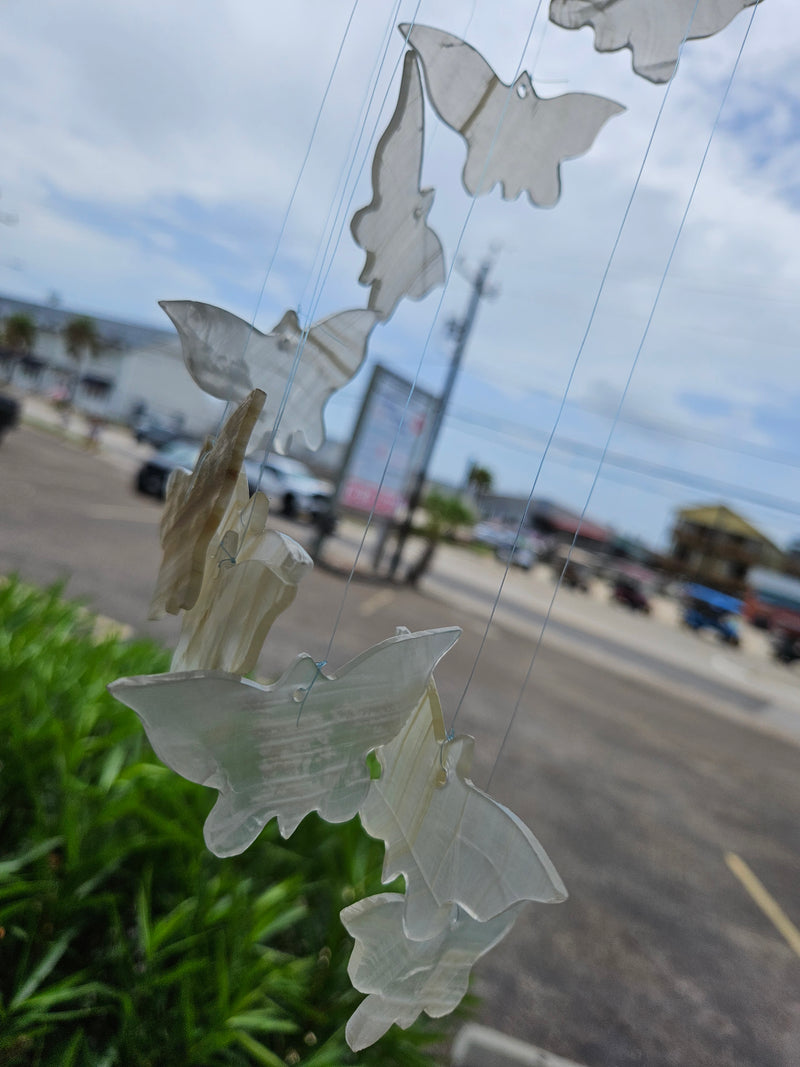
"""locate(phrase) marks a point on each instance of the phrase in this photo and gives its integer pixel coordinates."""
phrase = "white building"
(137, 370)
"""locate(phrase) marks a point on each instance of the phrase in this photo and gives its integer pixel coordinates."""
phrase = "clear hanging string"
(628, 381)
(571, 378)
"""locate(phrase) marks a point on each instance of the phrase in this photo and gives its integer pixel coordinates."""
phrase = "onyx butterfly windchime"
(300, 743)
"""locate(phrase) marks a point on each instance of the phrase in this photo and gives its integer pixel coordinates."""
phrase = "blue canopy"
(714, 599)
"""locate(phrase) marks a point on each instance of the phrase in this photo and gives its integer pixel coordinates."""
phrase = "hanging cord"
(570, 378)
(338, 229)
(290, 204)
(324, 272)
(355, 139)
(624, 394)
(318, 290)
(331, 223)
(412, 23)
(429, 335)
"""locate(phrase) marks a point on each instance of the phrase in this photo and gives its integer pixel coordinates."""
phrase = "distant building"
(553, 521)
(716, 547)
(137, 370)
(561, 524)
(791, 559)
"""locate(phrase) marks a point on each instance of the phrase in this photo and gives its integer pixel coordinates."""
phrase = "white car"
(288, 483)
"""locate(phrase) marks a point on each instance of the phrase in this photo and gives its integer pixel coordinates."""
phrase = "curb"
(479, 1046)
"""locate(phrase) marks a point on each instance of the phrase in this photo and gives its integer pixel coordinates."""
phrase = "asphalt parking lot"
(660, 775)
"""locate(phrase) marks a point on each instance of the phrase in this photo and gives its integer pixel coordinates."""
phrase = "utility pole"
(461, 331)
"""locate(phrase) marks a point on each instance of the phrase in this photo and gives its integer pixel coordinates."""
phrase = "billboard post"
(462, 331)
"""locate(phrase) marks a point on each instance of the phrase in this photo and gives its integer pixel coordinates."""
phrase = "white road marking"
(376, 602)
(730, 668)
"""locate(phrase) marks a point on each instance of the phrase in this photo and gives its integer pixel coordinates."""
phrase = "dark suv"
(9, 413)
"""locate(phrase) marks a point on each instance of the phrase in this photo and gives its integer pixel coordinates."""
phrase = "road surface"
(663, 954)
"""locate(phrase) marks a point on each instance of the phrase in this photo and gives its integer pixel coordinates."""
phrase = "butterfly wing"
(333, 351)
(457, 77)
(286, 749)
(558, 128)
(514, 137)
(213, 342)
(452, 843)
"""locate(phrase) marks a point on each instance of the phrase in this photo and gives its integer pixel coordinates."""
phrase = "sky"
(216, 152)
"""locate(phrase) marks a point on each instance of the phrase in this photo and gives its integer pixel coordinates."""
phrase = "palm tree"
(479, 480)
(82, 341)
(444, 514)
(19, 334)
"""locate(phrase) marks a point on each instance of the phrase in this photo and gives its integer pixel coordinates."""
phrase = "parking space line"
(771, 908)
(377, 601)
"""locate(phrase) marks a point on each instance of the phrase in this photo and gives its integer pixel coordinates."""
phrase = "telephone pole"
(460, 331)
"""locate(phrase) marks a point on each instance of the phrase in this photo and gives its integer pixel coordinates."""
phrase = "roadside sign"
(388, 445)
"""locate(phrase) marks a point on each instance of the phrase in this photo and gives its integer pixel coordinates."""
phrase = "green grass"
(122, 939)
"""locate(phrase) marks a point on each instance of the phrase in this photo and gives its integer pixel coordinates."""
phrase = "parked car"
(288, 483)
(291, 483)
(708, 609)
(154, 473)
(493, 533)
(522, 554)
(157, 431)
(573, 567)
(9, 413)
(629, 592)
(784, 633)
(632, 585)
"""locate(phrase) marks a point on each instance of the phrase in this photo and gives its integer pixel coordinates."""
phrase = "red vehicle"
(770, 593)
(629, 592)
(631, 587)
(785, 636)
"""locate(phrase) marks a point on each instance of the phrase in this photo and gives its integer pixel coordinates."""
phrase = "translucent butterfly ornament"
(288, 748)
(513, 136)
(403, 977)
(453, 843)
(227, 358)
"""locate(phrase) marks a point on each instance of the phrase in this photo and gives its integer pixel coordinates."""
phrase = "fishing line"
(324, 276)
(355, 142)
(317, 293)
(331, 254)
(293, 196)
(361, 122)
(570, 378)
(429, 335)
(631, 372)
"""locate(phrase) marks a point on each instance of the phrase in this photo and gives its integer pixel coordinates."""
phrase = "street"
(640, 792)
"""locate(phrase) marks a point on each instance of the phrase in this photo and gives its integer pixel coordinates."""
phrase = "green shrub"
(122, 939)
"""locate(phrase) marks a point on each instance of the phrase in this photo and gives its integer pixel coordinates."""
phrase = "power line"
(658, 471)
(763, 452)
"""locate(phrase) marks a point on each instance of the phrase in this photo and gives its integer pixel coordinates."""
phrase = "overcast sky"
(151, 150)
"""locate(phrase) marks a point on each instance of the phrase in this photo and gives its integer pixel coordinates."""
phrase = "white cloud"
(152, 149)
